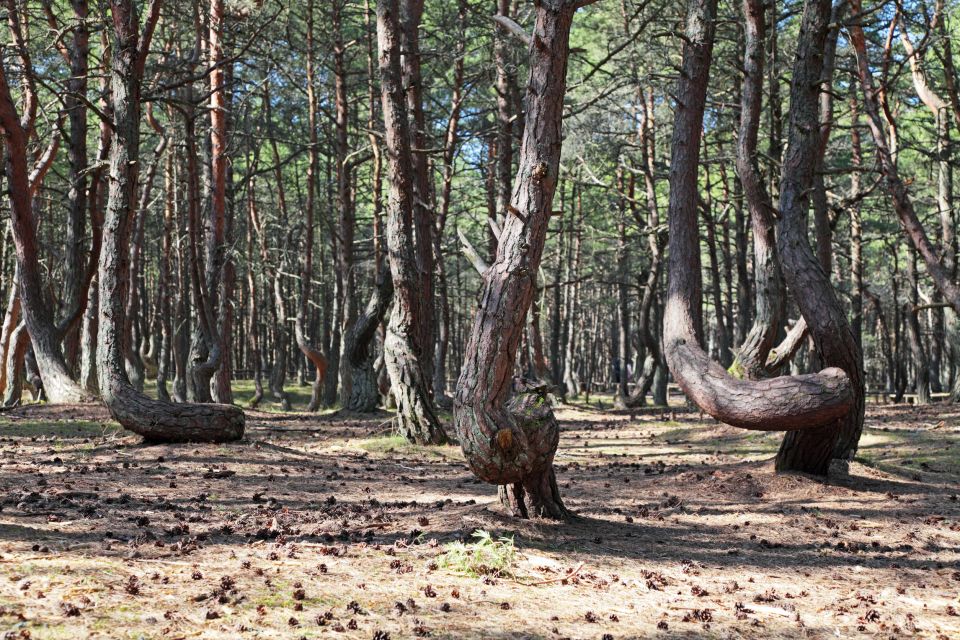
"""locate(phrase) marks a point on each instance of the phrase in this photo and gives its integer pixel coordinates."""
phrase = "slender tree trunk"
(14, 364)
(313, 354)
(918, 353)
(77, 178)
(505, 81)
(153, 419)
(411, 12)
(404, 352)
(856, 226)
(451, 140)
(11, 321)
(893, 183)
(768, 315)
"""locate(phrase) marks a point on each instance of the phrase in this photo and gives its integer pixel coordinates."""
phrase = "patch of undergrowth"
(483, 556)
(398, 445)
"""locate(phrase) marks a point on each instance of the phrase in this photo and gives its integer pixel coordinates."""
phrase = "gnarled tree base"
(538, 496)
(516, 450)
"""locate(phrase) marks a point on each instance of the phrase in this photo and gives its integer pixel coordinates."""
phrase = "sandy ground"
(325, 527)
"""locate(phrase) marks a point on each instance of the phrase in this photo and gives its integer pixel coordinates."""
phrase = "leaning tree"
(507, 429)
(24, 178)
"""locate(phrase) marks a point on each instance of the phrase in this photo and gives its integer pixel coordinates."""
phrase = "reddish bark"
(37, 313)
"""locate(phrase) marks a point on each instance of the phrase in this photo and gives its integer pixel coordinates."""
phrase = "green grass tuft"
(485, 556)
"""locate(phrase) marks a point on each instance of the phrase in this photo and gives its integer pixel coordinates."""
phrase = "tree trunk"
(14, 365)
(11, 321)
(411, 12)
(73, 295)
(451, 139)
(812, 402)
(37, 314)
(153, 419)
(827, 320)
(506, 428)
(918, 353)
(309, 351)
(404, 352)
(768, 315)
(358, 348)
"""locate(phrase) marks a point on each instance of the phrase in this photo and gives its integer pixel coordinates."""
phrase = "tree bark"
(404, 352)
(411, 13)
(833, 340)
(37, 313)
(358, 348)
(153, 419)
(507, 430)
(816, 402)
(768, 315)
(73, 295)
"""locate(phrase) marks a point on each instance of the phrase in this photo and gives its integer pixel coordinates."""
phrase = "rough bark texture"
(507, 429)
(751, 359)
(403, 351)
(19, 343)
(411, 13)
(73, 294)
(153, 419)
(808, 402)
(37, 313)
(826, 318)
(359, 350)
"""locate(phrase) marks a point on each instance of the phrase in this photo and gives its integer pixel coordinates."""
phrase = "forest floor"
(328, 527)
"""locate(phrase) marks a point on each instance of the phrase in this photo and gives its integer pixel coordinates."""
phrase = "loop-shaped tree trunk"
(817, 403)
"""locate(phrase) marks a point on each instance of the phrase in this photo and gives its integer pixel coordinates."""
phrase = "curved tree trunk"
(14, 365)
(153, 419)
(508, 432)
(22, 184)
(751, 359)
(805, 275)
(815, 403)
(358, 348)
(403, 352)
